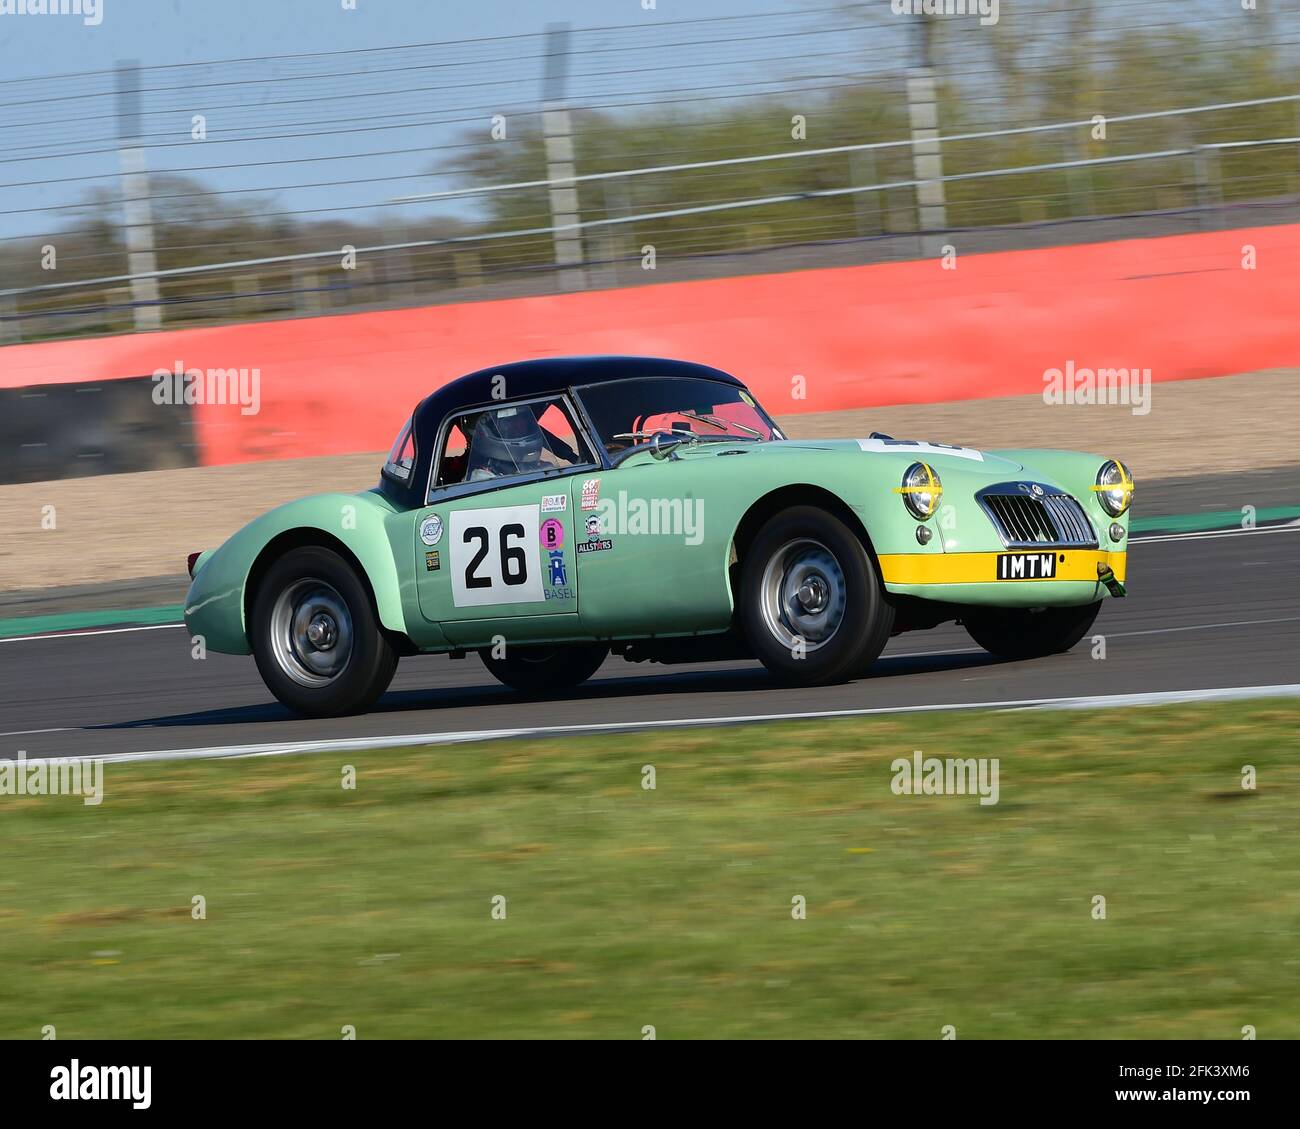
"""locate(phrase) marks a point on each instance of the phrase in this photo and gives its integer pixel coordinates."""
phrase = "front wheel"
(534, 670)
(317, 641)
(811, 603)
(1022, 633)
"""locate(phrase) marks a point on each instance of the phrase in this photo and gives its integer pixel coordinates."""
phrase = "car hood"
(942, 456)
(964, 464)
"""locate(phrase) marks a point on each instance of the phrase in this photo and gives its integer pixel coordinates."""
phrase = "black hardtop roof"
(523, 380)
(546, 376)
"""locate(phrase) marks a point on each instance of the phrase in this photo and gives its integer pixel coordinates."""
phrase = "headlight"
(921, 490)
(1114, 487)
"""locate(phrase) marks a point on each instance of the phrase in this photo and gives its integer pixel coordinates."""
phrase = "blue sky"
(347, 145)
(77, 112)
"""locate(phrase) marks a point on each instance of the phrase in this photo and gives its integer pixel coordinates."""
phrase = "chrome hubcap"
(803, 594)
(812, 594)
(322, 632)
(311, 632)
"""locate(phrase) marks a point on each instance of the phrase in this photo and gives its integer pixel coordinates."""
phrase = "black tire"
(1019, 633)
(837, 572)
(315, 586)
(536, 670)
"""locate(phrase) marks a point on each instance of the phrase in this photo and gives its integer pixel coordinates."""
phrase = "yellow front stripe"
(982, 568)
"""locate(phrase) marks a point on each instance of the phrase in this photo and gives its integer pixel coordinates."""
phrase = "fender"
(365, 524)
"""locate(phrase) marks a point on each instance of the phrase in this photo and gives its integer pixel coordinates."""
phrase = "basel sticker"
(431, 529)
(554, 503)
(559, 575)
(591, 493)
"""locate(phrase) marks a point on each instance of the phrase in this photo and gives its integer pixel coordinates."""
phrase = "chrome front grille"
(1072, 524)
(1027, 515)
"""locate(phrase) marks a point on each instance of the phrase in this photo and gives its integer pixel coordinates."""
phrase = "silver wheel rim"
(803, 595)
(311, 632)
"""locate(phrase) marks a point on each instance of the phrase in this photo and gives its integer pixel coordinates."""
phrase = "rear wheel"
(317, 641)
(534, 670)
(811, 603)
(1021, 633)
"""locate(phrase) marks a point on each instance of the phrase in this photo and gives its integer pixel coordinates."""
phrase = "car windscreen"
(401, 459)
(628, 412)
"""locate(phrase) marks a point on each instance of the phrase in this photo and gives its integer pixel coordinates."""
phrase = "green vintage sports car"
(550, 512)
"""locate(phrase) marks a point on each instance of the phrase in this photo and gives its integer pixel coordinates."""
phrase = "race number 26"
(494, 557)
(513, 560)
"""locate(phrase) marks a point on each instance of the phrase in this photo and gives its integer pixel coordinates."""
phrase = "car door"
(648, 562)
(495, 555)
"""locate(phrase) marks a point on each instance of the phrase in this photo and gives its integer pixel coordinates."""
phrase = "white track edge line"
(353, 744)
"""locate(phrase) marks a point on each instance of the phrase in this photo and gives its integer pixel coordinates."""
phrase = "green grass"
(672, 907)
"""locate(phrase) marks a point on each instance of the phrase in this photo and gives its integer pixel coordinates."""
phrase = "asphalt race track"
(1205, 611)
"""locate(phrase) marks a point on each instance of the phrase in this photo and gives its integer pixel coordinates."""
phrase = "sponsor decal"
(552, 534)
(1027, 566)
(555, 503)
(594, 543)
(591, 493)
(431, 561)
(559, 574)
(431, 529)
(911, 446)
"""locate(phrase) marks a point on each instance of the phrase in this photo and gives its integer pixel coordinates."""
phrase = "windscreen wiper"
(720, 423)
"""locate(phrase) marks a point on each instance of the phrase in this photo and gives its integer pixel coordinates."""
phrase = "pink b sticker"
(552, 534)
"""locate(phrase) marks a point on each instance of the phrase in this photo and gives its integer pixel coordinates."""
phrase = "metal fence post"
(927, 160)
(10, 330)
(1209, 196)
(136, 211)
(557, 141)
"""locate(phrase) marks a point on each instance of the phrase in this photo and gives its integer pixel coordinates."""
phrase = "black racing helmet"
(507, 435)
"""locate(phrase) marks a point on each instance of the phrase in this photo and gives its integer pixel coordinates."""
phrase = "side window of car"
(451, 466)
(509, 441)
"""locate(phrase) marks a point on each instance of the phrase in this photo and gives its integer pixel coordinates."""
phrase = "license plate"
(1026, 566)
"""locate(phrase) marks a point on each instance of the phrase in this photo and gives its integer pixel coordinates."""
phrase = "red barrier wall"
(894, 333)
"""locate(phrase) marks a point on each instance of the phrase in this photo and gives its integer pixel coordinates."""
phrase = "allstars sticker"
(601, 546)
(591, 493)
(432, 562)
(431, 529)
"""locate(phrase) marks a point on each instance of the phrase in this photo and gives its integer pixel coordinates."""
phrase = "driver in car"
(506, 441)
